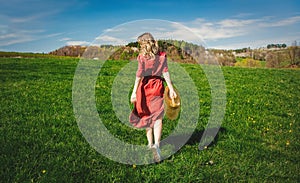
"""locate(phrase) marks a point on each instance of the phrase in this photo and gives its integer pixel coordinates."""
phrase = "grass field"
(41, 142)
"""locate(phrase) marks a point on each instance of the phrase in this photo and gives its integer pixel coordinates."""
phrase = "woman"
(148, 90)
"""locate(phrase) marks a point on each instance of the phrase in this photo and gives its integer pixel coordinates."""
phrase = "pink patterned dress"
(149, 106)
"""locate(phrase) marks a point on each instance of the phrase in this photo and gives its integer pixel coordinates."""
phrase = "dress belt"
(153, 77)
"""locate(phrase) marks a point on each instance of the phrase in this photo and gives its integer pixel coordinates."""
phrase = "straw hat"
(172, 106)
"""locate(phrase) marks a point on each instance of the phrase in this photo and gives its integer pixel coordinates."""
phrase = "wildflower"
(134, 166)
(287, 143)
(43, 171)
(210, 162)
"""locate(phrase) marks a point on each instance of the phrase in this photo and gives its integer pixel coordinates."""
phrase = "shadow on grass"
(211, 136)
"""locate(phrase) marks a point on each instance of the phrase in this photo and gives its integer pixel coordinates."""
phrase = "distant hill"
(184, 52)
(178, 51)
(72, 51)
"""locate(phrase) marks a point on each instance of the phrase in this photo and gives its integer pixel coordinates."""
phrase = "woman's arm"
(136, 84)
(172, 93)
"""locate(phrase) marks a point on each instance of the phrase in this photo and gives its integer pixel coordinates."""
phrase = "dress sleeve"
(141, 67)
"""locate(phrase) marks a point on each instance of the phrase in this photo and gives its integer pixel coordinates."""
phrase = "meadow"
(41, 142)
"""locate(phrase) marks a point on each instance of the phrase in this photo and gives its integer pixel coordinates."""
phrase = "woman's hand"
(172, 93)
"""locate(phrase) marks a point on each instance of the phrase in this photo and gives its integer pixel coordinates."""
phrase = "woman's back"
(152, 67)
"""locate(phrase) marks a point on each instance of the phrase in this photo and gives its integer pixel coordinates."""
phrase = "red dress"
(149, 105)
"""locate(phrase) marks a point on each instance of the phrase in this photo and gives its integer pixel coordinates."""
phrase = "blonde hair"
(149, 46)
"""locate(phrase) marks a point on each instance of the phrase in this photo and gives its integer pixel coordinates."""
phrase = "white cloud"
(230, 23)
(16, 30)
(54, 35)
(236, 30)
(25, 24)
(105, 39)
(23, 19)
(284, 22)
(235, 27)
(114, 30)
(228, 33)
(65, 39)
(75, 43)
(16, 41)
(9, 36)
(227, 28)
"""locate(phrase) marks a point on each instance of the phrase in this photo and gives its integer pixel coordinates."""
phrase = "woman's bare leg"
(157, 131)
(149, 135)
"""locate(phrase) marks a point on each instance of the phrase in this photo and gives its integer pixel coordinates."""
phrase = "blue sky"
(43, 26)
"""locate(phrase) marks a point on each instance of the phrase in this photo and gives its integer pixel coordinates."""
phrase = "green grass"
(41, 142)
